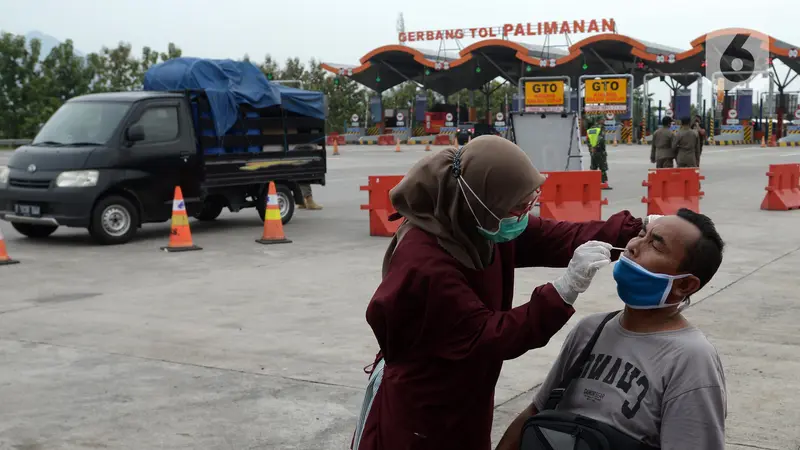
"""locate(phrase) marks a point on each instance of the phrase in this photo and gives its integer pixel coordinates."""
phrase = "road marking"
(790, 154)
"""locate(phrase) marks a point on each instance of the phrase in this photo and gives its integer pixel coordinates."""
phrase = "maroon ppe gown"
(445, 330)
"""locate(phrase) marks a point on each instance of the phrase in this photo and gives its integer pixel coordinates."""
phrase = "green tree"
(63, 75)
(20, 87)
(344, 100)
(293, 70)
(270, 68)
(173, 51)
(116, 69)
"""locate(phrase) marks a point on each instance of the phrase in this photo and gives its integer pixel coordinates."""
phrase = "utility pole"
(401, 27)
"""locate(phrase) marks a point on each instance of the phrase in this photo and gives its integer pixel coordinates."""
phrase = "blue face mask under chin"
(641, 289)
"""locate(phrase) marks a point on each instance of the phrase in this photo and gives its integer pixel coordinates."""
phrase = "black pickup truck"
(110, 162)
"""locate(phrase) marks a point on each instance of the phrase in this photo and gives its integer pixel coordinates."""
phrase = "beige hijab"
(429, 196)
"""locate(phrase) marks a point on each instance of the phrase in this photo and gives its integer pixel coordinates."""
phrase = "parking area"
(246, 346)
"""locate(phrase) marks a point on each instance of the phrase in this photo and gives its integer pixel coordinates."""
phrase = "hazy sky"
(341, 31)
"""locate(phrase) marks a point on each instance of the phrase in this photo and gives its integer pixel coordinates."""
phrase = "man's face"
(662, 247)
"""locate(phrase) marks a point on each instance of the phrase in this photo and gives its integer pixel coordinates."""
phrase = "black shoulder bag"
(560, 430)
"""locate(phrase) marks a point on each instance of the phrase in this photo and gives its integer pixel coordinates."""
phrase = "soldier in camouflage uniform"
(597, 150)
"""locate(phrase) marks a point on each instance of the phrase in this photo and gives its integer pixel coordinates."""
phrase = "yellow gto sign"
(607, 90)
(544, 93)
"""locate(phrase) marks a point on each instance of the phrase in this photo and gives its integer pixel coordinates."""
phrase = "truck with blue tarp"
(219, 129)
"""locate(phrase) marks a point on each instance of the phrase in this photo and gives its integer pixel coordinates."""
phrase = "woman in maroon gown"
(443, 315)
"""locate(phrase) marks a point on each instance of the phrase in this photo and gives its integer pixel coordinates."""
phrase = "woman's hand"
(585, 262)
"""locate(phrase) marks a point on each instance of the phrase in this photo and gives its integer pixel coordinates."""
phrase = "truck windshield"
(82, 123)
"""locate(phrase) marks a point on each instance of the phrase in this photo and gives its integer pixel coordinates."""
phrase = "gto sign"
(607, 90)
(544, 93)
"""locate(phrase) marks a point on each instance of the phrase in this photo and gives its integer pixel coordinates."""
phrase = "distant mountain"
(48, 42)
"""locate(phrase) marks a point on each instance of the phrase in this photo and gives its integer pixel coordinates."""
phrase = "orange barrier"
(572, 196)
(273, 226)
(180, 236)
(335, 139)
(4, 258)
(387, 139)
(380, 207)
(669, 190)
(443, 139)
(783, 190)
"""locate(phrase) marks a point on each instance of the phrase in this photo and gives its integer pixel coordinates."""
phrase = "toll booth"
(770, 105)
(375, 117)
(516, 103)
(354, 130)
(682, 102)
(680, 107)
(500, 124)
(418, 115)
(544, 125)
(735, 114)
(398, 123)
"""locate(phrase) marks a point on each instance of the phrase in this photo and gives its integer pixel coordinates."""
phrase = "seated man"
(651, 374)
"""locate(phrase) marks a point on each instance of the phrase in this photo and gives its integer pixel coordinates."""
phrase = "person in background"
(701, 132)
(661, 152)
(442, 314)
(308, 198)
(651, 374)
(597, 150)
(686, 144)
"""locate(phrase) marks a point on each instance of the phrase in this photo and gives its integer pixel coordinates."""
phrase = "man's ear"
(685, 286)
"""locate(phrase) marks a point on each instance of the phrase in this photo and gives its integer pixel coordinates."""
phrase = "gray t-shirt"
(666, 389)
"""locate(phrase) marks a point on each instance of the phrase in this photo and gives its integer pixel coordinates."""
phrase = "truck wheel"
(114, 221)
(285, 203)
(210, 210)
(34, 231)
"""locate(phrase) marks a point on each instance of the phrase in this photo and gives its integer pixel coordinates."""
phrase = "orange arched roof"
(638, 49)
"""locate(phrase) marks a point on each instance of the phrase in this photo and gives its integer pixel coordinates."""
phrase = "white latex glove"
(585, 262)
(649, 219)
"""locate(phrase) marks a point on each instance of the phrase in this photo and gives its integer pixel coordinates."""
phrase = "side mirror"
(135, 133)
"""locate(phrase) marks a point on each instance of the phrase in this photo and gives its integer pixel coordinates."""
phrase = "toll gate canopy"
(610, 53)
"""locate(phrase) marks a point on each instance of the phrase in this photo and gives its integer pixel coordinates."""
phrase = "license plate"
(28, 210)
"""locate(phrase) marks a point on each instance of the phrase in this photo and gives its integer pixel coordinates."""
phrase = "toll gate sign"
(607, 91)
(544, 96)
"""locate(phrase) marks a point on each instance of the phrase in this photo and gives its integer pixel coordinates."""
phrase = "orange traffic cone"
(4, 258)
(763, 142)
(428, 146)
(273, 227)
(180, 237)
(397, 147)
(335, 147)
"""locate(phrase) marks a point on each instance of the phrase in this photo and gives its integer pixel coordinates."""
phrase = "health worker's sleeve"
(466, 328)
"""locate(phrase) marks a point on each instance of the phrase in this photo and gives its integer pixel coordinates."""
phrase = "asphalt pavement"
(244, 346)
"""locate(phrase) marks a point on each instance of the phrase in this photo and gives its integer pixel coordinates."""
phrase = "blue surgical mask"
(641, 289)
(510, 227)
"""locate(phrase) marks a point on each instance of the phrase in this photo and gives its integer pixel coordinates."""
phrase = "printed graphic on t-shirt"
(628, 379)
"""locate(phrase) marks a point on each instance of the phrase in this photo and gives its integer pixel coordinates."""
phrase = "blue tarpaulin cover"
(307, 103)
(227, 84)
